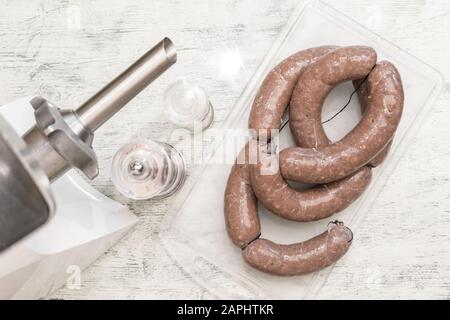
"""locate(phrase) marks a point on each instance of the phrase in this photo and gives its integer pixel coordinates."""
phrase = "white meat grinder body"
(85, 225)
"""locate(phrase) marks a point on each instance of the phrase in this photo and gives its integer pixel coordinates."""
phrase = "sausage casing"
(363, 97)
(300, 258)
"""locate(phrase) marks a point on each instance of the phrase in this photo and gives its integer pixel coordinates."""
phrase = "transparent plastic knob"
(187, 105)
(147, 170)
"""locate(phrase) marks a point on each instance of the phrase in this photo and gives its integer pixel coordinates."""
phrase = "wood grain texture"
(403, 247)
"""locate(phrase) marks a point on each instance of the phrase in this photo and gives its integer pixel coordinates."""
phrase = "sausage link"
(315, 203)
(314, 85)
(300, 258)
(241, 212)
(275, 92)
(374, 131)
(363, 97)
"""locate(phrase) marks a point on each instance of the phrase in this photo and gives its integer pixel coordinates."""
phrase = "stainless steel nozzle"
(104, 104)
(58, 152)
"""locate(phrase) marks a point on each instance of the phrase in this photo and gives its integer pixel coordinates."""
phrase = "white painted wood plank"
(44, 51)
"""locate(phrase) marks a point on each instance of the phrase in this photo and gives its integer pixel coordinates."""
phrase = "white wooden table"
(67, 50)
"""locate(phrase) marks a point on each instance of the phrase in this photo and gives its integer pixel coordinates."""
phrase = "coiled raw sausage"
(304, 80)
(372, 134)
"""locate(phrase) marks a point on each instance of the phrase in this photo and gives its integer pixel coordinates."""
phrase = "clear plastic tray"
(194, 231)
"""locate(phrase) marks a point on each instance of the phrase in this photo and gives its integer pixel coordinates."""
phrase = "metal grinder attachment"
(61, 140)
